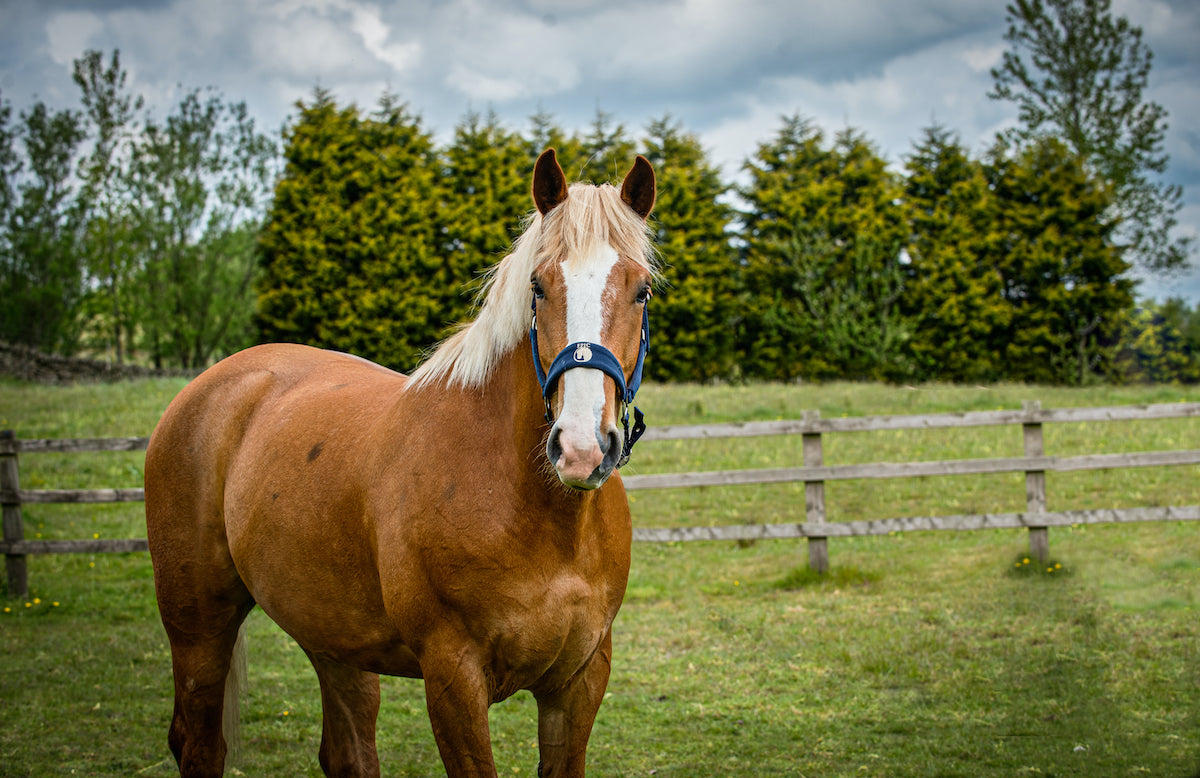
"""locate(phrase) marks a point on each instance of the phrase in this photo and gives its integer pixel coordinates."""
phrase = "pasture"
(923, 654)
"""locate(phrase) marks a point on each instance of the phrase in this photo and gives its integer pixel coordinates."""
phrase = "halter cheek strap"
(597, 357)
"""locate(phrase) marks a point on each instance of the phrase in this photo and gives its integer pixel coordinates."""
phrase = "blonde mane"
(590, 217)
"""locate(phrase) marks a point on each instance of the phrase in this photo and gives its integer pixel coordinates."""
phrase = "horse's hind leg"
(349, 706)
(202, 602)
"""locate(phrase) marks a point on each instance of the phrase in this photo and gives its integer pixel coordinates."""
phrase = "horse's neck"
(506, 414)
(495, 437)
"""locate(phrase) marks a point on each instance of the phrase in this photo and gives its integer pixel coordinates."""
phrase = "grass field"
(926, 654)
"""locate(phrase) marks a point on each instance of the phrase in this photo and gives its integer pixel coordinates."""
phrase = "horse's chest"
(555, 631)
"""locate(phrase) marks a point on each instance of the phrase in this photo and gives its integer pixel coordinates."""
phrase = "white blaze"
(583, 388)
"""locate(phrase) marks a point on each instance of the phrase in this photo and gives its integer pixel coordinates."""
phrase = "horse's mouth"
(593, 481)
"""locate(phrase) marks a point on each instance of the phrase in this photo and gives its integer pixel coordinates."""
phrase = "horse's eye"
(643, 294)
(537, 289)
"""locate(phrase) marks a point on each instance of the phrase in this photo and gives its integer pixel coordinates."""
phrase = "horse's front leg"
(456, 696)
(565, 716)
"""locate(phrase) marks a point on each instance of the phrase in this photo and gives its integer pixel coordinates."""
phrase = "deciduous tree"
(198, 182)
(110, 112)
(1078, 73)
(41, 275)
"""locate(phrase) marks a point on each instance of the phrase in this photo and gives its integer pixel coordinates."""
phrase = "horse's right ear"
(549, 182)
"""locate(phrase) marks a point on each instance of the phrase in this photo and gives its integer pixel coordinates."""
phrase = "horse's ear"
(638, 189)
(549, 182)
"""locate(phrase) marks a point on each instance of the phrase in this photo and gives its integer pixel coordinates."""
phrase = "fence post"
(10, 506)
(814, 496)
(1035, 484)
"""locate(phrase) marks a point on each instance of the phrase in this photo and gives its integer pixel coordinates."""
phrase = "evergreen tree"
(601, 156)
(485, 186)
(959, 316)
(545, 133)
(352, 254)
(609, 151)
(694, 312)
(1052, 243)
(823, 237)
(1156, 346)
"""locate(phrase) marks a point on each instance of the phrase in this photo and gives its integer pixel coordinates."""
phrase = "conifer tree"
(822, 236)
(694, 311)
(351, 249)
(609, 151)
(1156, 346)
(601, 156)
(1061, 274)
(959, 316)
(546, 133)
(485, 191)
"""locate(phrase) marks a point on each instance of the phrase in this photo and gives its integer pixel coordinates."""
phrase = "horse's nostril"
(554, 446)
(611, 448)
(613, 443)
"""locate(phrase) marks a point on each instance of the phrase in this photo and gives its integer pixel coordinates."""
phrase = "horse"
(465, 526)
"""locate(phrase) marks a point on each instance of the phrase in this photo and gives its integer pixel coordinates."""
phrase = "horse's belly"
(313, 573)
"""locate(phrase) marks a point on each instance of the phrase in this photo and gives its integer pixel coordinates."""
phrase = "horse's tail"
(235, 688)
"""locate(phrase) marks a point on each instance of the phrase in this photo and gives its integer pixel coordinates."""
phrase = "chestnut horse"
(466, 526)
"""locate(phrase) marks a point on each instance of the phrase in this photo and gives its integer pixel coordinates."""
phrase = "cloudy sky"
(726, 69)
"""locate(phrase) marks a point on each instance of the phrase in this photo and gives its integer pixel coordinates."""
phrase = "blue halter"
(597, 357)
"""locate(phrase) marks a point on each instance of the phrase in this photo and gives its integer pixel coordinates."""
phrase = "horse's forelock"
(590, 216)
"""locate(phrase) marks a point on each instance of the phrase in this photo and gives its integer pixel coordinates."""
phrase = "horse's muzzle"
(584, 462)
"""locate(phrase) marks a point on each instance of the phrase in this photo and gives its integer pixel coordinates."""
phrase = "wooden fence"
(813, 473)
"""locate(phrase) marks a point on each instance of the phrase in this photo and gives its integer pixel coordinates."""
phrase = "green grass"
(922, 654)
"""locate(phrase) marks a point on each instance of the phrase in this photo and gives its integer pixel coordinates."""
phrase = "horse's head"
(590, 289)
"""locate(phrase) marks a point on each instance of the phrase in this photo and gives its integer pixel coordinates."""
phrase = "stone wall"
(29, 365)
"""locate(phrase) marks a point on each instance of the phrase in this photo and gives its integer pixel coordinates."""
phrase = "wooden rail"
(813, 473)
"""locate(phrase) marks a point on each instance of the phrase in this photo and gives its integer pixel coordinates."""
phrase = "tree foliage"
(1083, 82)
(41, 276)
(485, 191)
(175, 240)
(1061, 275)
(197, 182)
(822, 236)
(695, 312)
(110, 112)
(1161, 344)
(953, 297)
(351, 255)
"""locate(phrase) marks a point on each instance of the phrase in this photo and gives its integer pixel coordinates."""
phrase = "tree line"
(176, 241)
(126, 234)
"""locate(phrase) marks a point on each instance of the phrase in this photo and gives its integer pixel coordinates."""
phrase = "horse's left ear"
(638, 189)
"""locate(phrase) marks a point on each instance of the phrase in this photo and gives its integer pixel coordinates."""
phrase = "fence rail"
(813, 473)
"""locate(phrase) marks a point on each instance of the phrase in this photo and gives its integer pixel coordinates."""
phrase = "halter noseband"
(597, 357)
